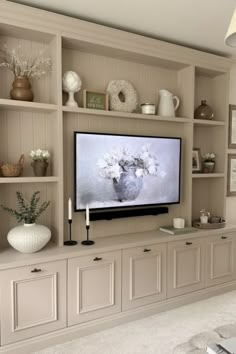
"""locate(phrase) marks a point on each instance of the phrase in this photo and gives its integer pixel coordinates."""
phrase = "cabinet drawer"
(33, 300)
(94, 286)
(220, 263)
(143, 275)
(185, 266)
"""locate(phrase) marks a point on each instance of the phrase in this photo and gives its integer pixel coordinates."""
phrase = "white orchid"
(209, 157)
(123, 160)
(39, 155)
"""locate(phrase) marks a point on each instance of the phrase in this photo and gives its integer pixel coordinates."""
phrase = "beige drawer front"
(94, 286)
(143, 275)
(185, 266)
(33, 300)
(220, 262)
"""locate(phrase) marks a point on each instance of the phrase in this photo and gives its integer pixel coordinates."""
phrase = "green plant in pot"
(29, 237)
(40, 161)
(209, 162)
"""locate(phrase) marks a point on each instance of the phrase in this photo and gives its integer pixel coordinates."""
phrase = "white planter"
(29, 238)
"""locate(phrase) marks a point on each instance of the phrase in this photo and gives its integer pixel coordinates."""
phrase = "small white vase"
(29, 238)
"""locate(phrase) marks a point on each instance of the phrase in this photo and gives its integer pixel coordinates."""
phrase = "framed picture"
(196, 160)
(232, 126)
(231, 178)
(95, 100)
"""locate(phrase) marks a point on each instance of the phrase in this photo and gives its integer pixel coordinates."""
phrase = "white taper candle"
(87, 215)
(69, 209)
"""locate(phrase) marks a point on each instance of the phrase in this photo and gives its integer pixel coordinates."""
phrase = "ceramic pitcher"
(166, 106)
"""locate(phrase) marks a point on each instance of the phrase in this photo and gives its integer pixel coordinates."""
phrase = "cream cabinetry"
(185, 266)
(143, 275)
(94, 284)
(33, 300)
(220, 259)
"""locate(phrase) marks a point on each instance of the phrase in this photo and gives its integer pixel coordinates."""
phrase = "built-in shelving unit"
(47, 123)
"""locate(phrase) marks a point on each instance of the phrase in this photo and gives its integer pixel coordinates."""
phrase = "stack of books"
(174, 231)
(227, 346)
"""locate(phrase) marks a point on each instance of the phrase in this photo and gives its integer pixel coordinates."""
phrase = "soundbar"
(125, 213)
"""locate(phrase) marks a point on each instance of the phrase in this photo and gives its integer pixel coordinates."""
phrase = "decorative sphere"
(71, 82)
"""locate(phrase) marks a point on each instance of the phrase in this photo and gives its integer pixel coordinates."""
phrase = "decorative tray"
(209, 225)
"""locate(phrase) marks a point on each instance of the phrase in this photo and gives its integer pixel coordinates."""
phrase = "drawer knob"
(188, 243)
(224, 237)
(36, 270)
(97, 259)
(146, 250)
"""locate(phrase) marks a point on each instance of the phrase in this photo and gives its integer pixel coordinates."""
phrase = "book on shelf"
(174, 231)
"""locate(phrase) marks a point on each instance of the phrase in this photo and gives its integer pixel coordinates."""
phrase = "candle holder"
(87, 242)
(70, 242)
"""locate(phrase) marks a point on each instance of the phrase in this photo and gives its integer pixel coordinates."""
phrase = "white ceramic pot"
(29, 238)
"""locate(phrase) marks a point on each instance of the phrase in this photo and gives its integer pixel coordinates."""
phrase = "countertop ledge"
(10, 258)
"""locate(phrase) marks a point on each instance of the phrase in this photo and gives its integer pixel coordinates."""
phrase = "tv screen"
(116, 171)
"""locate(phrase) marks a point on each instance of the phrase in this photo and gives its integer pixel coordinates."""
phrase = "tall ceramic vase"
(21, 89)
(29, 238)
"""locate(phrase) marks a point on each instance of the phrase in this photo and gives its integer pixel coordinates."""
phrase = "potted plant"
(209, 162)
(24, 67)
(126, 170)
(29, 237)
(40, 161)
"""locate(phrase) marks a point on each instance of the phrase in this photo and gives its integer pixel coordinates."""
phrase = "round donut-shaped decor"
(122, 96)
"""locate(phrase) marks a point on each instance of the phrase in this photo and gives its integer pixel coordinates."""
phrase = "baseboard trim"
(73, 332)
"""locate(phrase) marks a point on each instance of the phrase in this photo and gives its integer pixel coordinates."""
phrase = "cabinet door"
(33, 300)
(144, 275)
(185, 266)
(220, 263)
(94, 286)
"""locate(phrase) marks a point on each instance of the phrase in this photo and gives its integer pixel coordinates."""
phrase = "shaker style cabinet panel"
(33, 300)
(220, 259)
(94, 286)
(185, 266)
(143, 275)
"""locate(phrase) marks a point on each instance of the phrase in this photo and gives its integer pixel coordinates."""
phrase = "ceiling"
(199, 24)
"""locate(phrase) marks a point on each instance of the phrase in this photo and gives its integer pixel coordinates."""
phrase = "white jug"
(166, 105)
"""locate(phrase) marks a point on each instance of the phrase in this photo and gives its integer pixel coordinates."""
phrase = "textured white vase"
(29, 238)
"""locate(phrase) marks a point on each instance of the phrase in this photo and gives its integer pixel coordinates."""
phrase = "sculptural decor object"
(203, 111)
(122, 95)
(71, 83)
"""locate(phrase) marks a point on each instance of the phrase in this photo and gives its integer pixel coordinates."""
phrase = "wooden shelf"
(25, 106)
(96, 112)
(209, 123)
(10, 180)
(208, 175)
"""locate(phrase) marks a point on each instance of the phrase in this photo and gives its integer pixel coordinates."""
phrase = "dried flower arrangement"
(33, 65)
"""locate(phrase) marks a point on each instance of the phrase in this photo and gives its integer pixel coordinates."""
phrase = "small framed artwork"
(196, 160)
(95, 100)
(232, 126)
(231, 177)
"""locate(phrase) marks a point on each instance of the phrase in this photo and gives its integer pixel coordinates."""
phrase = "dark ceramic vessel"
(203, 111)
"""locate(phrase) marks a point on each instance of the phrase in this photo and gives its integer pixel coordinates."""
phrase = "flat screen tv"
(123, 171)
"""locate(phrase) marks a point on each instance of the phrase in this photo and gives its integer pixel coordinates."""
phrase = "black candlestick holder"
(87, 242)
(70, 242)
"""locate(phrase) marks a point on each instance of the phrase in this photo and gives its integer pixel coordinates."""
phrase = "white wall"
(231, 201)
